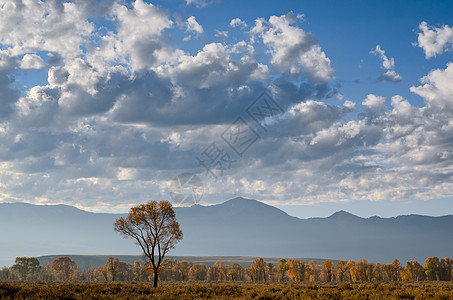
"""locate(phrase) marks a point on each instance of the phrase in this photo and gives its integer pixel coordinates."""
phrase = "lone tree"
(154, 228)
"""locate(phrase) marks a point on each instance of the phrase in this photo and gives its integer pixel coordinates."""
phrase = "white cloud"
(221, 34)
(258, 29)
(388, 64)
(127, 174)
(192, 26)
(183, 92)
(437, 88)
(198, 3)
(139, 34)
(293, 49)
(434, 40)
(391, 75)
(57, 76)
(49, 26)
(32, 61)
(402, 108)
(374, 102)
(38, 108)
(349, 105)
(213, 65)
(236, 22)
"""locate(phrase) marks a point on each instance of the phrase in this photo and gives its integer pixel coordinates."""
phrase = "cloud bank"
(125, 109)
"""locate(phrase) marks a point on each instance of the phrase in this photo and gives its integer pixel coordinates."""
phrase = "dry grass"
(86, 290)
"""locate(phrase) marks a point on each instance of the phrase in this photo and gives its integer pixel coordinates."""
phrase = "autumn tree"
(271, 272)
(351, 270)
(378, 273)
(217, 272)
(165, 271)
(313, 270)
(257, 270)
(397, 269)
(388, 271)
(297, 270)
(25, 267)
(282, 269)
(5, 273)
(328, 270)
(231, 274)
(184, 267)
(138, 271)
(432, 268)
(64, 266)
(445, 269)
(112, 266)
(341, 270)
(361, 271)
(92, 274)
(251, 273)
(102, 272)
(154, 228)
(413, 271)
(198, 272)
(239, 272)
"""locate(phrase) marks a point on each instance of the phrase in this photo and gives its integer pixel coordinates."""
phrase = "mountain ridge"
(340, 212)
(237, 227)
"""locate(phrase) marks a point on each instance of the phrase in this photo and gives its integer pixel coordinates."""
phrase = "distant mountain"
(240, 227)
(34, 230)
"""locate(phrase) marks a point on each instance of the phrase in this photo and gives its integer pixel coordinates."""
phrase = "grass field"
(83, 290)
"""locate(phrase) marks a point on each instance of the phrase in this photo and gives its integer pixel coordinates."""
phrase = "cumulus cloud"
(236, 22)
(139, 35)
(373, 102)
(305, 118)
(293, 49)
(32, 61)
(209, 87)
(434, 40)
(38, 108)
(57, 76)
(46, 25)
(192, 26)
(437, 88)
(388, 64)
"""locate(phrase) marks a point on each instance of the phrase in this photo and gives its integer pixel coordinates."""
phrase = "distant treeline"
(291, 270)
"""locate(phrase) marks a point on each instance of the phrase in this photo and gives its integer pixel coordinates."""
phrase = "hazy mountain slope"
(248, 227)
(33, 230)
(238, 227)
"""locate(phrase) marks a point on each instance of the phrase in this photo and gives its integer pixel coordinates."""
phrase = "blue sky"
(104, 103)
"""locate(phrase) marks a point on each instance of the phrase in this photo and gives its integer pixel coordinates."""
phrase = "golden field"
(211, 290)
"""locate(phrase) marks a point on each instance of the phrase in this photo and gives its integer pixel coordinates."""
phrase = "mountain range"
(237, 227)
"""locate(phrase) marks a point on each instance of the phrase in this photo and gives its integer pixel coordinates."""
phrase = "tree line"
(287, 270)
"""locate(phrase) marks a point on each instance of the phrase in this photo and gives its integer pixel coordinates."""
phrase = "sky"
(310, 106)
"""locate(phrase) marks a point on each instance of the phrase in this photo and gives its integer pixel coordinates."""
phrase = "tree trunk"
(155, 277)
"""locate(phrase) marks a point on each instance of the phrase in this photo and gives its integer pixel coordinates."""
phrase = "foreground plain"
(83, 290)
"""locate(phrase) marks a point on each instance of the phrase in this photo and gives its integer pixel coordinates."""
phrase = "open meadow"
(209, 290)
